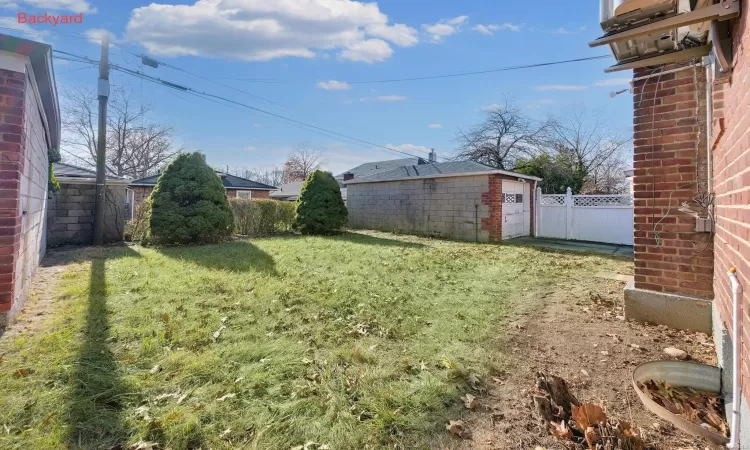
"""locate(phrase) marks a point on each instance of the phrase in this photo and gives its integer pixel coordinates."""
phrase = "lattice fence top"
(602, 200)
(553, 199)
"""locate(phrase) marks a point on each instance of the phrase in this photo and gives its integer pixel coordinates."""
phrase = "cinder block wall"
(669, 164)
(71, 214)
(24, 169)
(465, 208)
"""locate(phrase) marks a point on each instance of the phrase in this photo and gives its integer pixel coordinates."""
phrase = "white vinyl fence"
(596, 218)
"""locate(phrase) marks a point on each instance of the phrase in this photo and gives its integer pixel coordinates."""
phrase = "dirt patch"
(44, 294)
(580, 334)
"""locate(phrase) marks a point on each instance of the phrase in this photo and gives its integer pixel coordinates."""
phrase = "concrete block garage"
(461, 200)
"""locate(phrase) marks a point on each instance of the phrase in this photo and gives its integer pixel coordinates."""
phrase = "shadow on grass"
(564, 247)
(364, 239)
(235, 256)
(95, 409)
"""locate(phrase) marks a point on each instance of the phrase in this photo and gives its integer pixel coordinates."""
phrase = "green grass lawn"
(354, 341)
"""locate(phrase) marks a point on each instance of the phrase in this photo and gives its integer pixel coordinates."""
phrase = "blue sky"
(313, 49)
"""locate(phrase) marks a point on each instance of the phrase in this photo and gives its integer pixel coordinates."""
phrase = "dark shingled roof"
(229, 182)
(69, 171)
(432, 170)
(371, 168)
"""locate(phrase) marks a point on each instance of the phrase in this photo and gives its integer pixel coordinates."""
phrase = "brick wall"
(70, 218)
(232, 193)
(731, 168)
(23, 190)
(439, 206)
(669, 161)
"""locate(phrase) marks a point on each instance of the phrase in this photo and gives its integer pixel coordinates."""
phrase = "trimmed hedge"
(262, 216)
(320, 208)
(189, 204)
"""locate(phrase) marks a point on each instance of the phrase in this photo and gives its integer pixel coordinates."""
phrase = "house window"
(244, 194)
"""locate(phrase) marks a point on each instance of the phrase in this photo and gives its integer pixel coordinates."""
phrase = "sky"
(311, 60)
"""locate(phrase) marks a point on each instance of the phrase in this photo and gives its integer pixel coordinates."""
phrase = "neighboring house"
(372, 168)
(30, 139)
(70, 211)
(692, 186)
(461, 200)
(289, 192)
(235, 186)
(629, 180)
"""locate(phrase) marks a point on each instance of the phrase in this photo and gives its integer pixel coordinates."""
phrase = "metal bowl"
(680, 373)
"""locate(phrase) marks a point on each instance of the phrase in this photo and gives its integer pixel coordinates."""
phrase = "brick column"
(12, 138)
(493, 198)
(669, 161)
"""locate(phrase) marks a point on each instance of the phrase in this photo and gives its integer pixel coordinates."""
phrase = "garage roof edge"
(449, 175)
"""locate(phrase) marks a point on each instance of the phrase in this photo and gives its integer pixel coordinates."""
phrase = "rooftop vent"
(644, 33)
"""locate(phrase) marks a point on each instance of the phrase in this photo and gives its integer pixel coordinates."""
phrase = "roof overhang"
(520, 176)
(40, 59)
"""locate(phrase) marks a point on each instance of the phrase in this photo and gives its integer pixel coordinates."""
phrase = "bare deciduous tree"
(271, 177)
(505, 137)
(301, 162)
(594, 147)
(136, 146)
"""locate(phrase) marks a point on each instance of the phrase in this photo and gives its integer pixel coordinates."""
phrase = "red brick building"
(29, 140)
(235, 186)
(692, 184)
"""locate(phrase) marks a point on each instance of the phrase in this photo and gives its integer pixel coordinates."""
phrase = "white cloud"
(384, 98)
(8, 4)
(561, 87)
(492, 107)
(444, 28)
(95, 35)
(76, 6)
(251, 148)
(24, 29)
(369, 51)
(257, 125)
(409, 148)
(259, 30)
(562, 30)
(613, 82)
(399, 34)
(434, 126)
(333, 85)
(488, 29)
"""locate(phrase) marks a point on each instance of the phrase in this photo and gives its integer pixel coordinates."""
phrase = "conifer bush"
(189, 204)
(320, 208)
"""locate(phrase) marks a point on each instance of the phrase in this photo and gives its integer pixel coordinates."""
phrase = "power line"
(294, 122)
(480, 72)
(171, 66)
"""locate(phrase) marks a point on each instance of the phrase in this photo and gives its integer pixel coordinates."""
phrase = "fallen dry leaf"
(23, 372)
(226, 397)
(143, 445)
(457, 428)
(592, 437)
(165, 317)
(588, 415)
(470, 402)
(561, 430)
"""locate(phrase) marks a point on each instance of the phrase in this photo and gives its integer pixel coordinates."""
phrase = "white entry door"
(515, 222)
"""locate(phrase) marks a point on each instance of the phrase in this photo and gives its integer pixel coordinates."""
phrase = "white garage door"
(516, 209)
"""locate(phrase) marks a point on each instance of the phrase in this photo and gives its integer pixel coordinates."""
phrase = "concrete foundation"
(682, 312)
(723, 342)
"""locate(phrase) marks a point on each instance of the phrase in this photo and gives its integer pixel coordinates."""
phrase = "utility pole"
(101, 148)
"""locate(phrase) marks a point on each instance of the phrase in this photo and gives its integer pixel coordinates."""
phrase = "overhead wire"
(294, 122)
